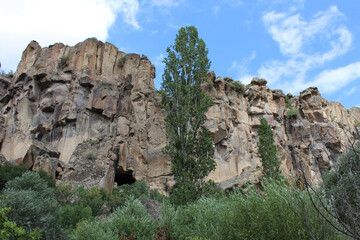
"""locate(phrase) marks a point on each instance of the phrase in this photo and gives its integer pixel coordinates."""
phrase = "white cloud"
(242, 73)
(164, 3)
(216, 10)
(246, 79)
(350, 91)
(292, 32)
(305, 45)
(49, 21)
(330, 81)
(158, 60)
(129, 9)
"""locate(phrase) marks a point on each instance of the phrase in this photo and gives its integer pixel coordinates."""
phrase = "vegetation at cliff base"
(33, 206)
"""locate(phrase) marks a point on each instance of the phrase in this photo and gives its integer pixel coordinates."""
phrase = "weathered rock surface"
(78, 114)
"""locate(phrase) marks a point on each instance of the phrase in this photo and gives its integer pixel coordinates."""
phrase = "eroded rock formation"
(89, 114)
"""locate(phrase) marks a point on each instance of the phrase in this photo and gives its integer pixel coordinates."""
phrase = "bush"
(121, 61)
(94, 231)
(275, 213)
(9, 230)
(33, 205)
(131, 219)
(94, 198)
(31, 181)
(288, 102)
(63, 62)
(48, 179)
(292, 113)
(90, 156)
(238, 86)
(71, 215)
(342, 186)
(139, 190)
(64, 194)
(9, 172)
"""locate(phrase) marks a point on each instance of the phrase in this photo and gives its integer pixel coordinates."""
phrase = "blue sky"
(293, 44)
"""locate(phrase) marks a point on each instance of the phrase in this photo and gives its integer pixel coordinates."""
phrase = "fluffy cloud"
(240, 67)
(332, 80)
(49, 21)
(307, 45)
(164, 3)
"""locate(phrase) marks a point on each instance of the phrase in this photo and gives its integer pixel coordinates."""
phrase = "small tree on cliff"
(189, 147)
(267, 150)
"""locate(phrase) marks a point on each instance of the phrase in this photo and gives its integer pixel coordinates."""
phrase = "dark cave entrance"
(124, 177)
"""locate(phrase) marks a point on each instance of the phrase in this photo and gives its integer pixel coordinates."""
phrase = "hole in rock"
(124, 177)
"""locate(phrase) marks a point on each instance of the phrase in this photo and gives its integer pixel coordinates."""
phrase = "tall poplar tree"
(189, 146)
(267, 150)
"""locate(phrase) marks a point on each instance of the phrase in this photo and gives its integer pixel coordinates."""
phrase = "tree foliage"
(342, 186)
(10, 230)
(189, 147)
(33, 205)
(9, 172)
(267, 150)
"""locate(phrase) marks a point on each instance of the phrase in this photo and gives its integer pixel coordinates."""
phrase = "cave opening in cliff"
(124, 177)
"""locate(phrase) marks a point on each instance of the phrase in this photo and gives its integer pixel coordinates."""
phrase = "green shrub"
(9, 172)
(184, 192)
(121, 61)
(31, 181)
(238, 86)
(288, 102)
(292, 113)
(63, 62)
(9, 230)
(94, 198)
(139, 190)
(133, 218)
(33, 205)
(49, 180)
(275, 213)
(71, 215)
(64, 193)
(130, 219)
(99, 200)
(342, 186)
(93, 231)
(90, 156)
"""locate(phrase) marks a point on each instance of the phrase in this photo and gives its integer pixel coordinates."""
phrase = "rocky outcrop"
(89, 114)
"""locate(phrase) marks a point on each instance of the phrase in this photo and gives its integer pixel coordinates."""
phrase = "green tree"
(32, 205)
(267, 150)
(190, 146)
(9, 230)
(342, 186)
(9, 172)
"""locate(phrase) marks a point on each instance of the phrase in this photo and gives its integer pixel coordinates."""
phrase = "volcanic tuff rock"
(86, 119)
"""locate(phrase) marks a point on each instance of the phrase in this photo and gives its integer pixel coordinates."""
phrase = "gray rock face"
(85, 119)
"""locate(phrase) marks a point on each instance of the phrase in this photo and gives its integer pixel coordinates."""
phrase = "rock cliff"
(89, 114)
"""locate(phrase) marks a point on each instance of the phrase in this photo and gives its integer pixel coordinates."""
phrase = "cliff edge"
(89, 114)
